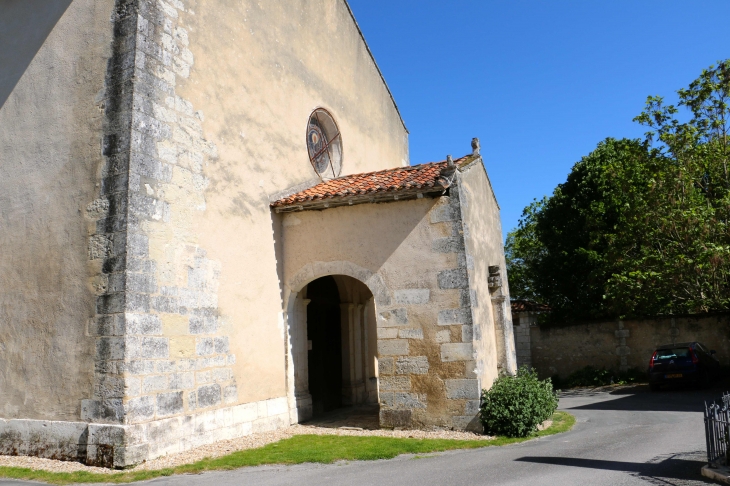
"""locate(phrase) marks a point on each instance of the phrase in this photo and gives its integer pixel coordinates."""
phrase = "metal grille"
(324, 144)
(717, 431)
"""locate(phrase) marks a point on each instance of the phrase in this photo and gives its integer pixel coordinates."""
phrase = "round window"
(324, 144)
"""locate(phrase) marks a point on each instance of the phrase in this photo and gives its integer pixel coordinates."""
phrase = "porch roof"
(398, 183)
(521, 305)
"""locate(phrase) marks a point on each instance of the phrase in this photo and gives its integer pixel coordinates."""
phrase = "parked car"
(683, 363)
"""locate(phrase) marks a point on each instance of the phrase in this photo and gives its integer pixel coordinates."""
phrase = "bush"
(590, 376)
(516, 405)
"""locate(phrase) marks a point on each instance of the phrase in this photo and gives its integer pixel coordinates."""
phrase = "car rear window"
(673, 353)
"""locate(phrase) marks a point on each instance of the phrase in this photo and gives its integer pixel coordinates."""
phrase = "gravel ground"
(225, 447)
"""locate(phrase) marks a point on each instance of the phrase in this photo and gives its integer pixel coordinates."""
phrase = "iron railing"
(717, 431)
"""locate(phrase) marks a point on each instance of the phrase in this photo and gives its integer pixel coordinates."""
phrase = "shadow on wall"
(24, 27)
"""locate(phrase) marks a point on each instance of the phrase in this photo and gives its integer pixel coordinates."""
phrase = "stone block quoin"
(152, 139)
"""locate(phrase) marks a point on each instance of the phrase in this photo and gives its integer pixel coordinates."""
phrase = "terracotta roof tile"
(429, 177)
(528, 306)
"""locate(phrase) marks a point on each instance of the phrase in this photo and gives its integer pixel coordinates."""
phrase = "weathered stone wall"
(191, 319)
(620, 345)
(482, 229)
(259, 70)
(144, 271)
(52, 80)
(159, 348)
(191, 315)
(522, 323)
(411, 256)
(123, 445)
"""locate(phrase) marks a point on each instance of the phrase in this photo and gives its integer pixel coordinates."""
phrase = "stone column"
(622, 350)
(370, 371)
(353, 382)
(360, 353)
(299, 346)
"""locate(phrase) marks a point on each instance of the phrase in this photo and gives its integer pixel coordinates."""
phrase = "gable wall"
(482, 228)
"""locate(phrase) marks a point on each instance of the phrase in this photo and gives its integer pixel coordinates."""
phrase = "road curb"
(721, 474)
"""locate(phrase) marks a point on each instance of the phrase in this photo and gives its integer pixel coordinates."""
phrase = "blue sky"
(539, 82)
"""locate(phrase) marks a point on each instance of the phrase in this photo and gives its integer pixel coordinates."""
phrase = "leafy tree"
(673, 253)
(558, 253)
(523, 250)
(639, 227)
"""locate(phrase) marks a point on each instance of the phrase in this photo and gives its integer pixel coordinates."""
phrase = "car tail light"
(651, 361)
(695, 360)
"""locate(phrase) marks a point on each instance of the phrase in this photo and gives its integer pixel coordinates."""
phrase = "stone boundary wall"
(622, 345)
(522, 323)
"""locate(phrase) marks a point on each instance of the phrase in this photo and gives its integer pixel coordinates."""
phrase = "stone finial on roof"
(475, 146)
(449, 161)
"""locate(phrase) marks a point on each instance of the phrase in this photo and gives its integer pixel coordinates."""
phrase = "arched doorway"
(324, 336)
(333, 344)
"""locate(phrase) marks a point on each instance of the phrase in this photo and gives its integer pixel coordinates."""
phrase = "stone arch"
(315, 270)
(295, 315)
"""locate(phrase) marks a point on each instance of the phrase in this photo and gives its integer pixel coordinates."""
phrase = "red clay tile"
(383, 181)
(528, 306)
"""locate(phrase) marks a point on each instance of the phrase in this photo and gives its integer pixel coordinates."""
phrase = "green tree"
(673, 254)
(558, 254)
(639, 227)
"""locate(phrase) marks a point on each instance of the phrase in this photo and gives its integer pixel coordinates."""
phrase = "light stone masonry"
(390, 347)
(457, 352)
(412, 296)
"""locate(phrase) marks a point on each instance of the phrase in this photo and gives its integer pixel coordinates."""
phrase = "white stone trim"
(126, 445)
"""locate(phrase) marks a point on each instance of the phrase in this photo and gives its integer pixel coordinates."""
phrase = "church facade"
(210, 228)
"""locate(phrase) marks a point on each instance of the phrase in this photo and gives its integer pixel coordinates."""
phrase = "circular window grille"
(324, 144)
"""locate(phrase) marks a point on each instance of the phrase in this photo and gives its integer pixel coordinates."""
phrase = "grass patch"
(296, 450)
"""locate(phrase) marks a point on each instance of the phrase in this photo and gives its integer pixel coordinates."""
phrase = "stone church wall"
(146, 139)
(230, 133)
(142, 267)
(52, 80)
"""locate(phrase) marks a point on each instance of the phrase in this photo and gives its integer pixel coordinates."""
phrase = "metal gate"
(717, 431)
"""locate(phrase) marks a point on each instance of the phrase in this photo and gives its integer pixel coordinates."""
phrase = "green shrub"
(516, 405)
(633, 375)
(590, 376)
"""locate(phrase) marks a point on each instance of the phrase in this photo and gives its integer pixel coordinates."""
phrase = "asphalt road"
(624, 437)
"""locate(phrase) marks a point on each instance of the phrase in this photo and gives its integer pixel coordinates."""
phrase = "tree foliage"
(639, 227)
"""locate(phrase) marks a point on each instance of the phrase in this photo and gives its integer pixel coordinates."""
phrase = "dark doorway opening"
(324, 334)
